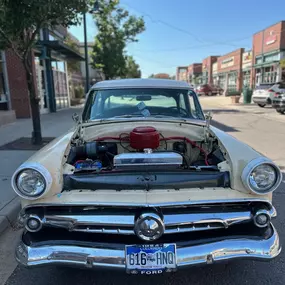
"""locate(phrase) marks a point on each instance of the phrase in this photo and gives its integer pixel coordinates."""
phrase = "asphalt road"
(264, 135)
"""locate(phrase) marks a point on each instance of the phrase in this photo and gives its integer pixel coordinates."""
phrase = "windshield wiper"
(128, 116)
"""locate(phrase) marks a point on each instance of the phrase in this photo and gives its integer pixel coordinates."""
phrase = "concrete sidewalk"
(53, 125)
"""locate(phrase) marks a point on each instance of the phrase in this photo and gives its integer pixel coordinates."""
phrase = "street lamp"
(92, 11)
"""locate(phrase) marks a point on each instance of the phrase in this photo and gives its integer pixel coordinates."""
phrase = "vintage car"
(145, 184)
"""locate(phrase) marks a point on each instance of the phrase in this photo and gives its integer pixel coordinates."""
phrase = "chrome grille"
(121, 220)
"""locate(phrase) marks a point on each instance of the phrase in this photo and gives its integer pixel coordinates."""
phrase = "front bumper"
(88, 255)
(278, 104)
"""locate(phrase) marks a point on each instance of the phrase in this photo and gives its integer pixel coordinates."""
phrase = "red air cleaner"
(144, 137)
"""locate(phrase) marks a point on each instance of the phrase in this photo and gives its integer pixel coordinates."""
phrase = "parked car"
(279, 102)
(264, 93)
(145, 184)
(209, 90)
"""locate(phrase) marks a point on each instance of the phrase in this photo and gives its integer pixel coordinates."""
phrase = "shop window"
(3, 94)
(258, 60)
(246, 78)
(222, 81)
(272, 57)
(232, 81)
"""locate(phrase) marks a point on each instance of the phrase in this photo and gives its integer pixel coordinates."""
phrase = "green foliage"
(116, 28)
(72, 65)
(79, 92)
(21, 20)
(132, 68)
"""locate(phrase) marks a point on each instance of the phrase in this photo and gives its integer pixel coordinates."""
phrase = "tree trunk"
(34, 101)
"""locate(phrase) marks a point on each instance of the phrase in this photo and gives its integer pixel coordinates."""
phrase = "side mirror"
(75, 118)
(208, 117)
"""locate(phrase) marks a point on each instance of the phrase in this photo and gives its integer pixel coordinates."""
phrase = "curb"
(9, 214)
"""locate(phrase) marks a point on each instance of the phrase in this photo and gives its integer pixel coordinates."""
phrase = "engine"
(143, 147)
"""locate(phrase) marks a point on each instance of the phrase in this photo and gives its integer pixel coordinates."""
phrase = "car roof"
(142, 83)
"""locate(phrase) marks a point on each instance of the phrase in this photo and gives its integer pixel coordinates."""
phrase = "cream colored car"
(145, 184)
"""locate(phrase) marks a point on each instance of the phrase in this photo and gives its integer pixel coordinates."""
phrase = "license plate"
(150, 259)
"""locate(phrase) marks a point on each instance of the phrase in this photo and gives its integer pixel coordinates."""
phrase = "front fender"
(238, 154)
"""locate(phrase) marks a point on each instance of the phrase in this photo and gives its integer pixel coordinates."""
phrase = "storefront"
(207, 72)
(4, 96)
(246, 68)
(215, 73)
(229, 70)
(195, 73)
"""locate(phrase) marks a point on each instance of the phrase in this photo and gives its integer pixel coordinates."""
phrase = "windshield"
(142, 102)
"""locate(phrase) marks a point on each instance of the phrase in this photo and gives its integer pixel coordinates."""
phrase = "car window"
(264, 86)
(142, 102)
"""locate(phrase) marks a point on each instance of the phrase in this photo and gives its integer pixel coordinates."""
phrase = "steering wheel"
(179, 110)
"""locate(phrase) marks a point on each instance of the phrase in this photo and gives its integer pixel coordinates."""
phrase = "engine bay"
(144, 147)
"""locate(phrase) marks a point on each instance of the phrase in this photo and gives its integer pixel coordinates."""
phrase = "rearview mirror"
(143, 98)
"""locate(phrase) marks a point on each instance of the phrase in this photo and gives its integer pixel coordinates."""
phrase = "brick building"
(51, 78)
(247, 68)
(195, 73)
(207, 69)
(182, 73)
(268, 48)
(229, 70)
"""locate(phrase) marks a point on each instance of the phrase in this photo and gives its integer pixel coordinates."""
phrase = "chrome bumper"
(92, 257)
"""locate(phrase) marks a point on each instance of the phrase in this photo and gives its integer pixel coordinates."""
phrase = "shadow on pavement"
(218, 111)
(223, 127)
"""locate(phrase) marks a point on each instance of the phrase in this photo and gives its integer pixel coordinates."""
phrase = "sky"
(181, 32)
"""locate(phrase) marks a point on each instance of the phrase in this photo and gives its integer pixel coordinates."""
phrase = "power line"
(182, 30)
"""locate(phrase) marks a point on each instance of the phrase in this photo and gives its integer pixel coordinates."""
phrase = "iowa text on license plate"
(150, 259)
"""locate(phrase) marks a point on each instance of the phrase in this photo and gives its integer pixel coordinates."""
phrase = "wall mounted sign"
(227, 62)
(272, 38)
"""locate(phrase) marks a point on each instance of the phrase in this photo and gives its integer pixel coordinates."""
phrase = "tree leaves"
(116, 28)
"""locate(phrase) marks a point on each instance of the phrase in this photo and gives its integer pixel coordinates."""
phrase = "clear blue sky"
(181, 32)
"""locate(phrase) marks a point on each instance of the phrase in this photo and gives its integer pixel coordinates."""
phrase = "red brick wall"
(195, 68)
(207, 64)
(17, 85)
(275, 34)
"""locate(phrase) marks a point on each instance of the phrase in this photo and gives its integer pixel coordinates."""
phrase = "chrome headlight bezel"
(36, 167)
(250, 168)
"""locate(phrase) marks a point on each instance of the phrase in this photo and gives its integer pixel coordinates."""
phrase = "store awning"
(63, 49)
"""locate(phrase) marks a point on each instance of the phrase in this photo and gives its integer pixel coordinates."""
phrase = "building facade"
(268, 51)
(182, 73)
(50, 74)
(207, 69)
(230, 70)
(195, 73)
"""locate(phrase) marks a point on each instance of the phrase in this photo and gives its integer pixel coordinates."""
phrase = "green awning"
(63, 49)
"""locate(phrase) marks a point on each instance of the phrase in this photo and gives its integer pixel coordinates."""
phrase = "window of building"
(222, 81)
(3, 91)
(232, 81)
(258, 60)
(246, 78)
(269, 75)
(271, 57)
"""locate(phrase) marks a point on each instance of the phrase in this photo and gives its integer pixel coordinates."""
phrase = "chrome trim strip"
(93, 257)
(153, 205)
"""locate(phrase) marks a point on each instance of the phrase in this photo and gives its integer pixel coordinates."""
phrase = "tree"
(132, 68)
(116, 28)
(72, 65)
(20, 24)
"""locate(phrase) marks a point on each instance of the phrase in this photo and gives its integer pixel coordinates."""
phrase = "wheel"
(261, 105)
(210, 93)
(281, 112)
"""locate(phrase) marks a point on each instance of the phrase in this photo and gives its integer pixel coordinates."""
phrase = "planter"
(235, 99)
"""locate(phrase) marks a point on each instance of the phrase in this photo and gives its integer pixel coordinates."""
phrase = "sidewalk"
(53, 125)
(222, 104)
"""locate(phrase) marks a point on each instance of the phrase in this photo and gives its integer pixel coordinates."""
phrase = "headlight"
(31, 181)
(261, 176)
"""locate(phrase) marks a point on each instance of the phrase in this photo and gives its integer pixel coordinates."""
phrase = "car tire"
(261, 105)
